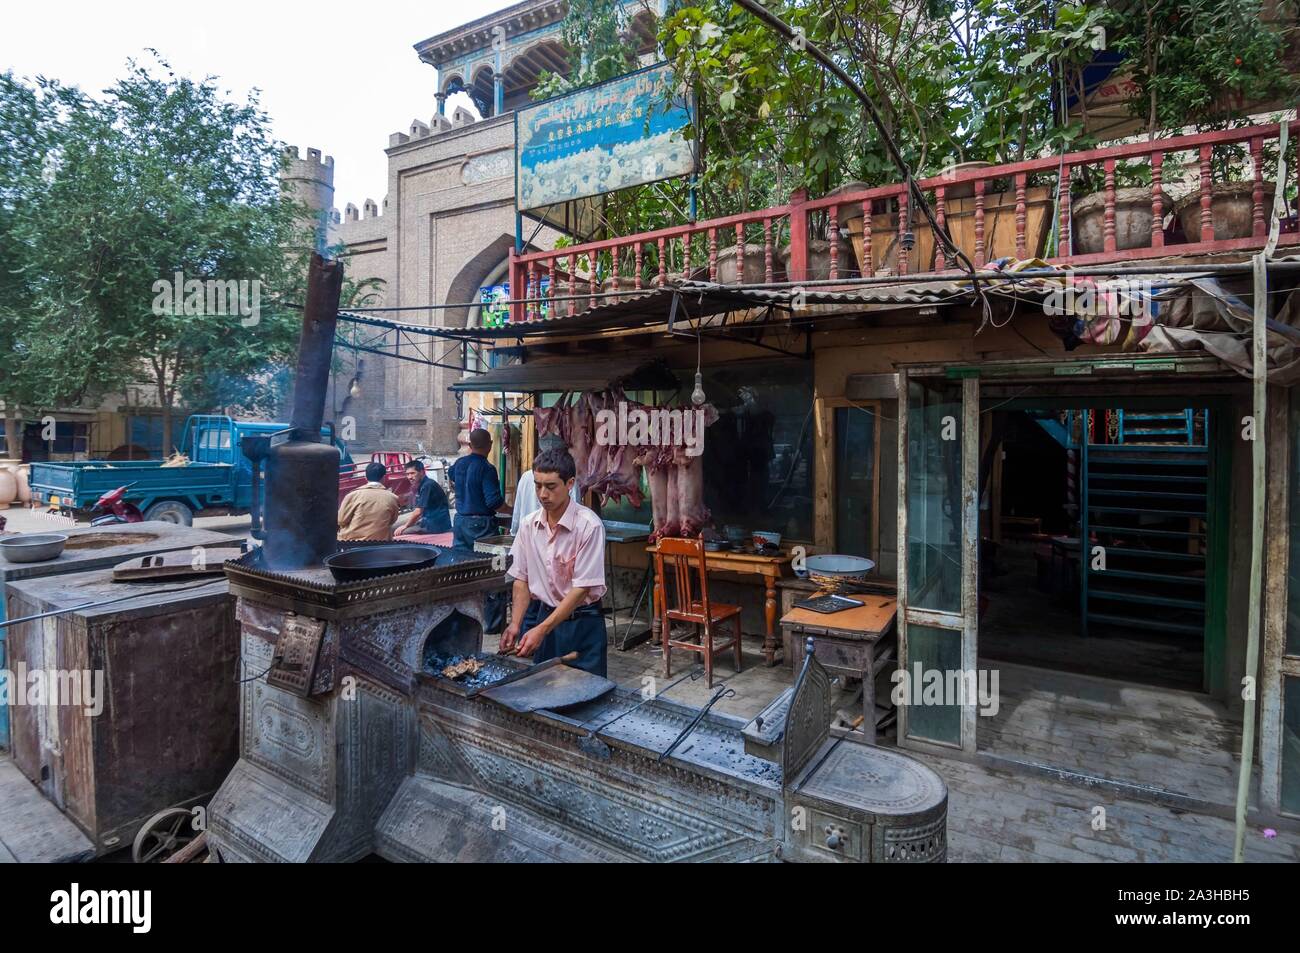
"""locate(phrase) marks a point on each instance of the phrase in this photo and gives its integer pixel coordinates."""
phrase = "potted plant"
(1202, 64)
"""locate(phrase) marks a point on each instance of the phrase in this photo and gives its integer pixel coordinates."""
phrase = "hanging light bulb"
(355, 390)
(697, 396)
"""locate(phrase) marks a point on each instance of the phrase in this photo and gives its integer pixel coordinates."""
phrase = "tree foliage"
(102, 197)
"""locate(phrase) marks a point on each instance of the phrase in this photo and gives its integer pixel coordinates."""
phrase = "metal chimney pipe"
(316, 346)
(302, 473)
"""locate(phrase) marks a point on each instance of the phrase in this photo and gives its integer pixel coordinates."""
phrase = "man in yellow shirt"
(369, 511)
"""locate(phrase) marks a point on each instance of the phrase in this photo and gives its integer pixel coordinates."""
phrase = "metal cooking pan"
(381, 559)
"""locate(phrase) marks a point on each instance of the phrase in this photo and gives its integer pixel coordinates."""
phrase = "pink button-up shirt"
(554, 561)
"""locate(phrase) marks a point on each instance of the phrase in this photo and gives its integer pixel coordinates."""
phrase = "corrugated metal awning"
(593, 374)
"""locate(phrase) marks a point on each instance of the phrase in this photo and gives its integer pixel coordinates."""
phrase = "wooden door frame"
(825, 522)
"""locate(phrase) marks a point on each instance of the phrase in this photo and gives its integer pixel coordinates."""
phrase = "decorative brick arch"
(464, 287)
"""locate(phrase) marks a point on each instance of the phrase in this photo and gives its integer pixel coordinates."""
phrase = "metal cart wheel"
(163, 835)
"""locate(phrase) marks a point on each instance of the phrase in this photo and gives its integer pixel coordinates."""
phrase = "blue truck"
(218, 478)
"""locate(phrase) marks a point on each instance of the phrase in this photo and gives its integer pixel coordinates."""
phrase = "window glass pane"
(855, 479)
(1291, 745)
(758, 471)
(934, 495)
(1293, 563)
(931, 654)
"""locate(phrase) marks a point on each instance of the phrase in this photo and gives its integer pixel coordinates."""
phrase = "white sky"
(337, 76)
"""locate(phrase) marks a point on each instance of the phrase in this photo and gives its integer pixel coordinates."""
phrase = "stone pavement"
(1001, 815)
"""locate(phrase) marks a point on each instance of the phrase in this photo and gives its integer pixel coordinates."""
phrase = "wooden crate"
(169, 729)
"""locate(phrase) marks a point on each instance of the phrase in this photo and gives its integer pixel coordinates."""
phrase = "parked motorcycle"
(113, 508)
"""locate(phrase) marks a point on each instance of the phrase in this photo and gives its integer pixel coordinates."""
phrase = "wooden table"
(770, 568)
(857, 643)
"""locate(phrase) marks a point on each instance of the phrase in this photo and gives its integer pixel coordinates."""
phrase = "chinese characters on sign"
(625, 132)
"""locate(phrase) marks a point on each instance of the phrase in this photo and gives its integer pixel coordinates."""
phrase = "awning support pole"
(1259, 360)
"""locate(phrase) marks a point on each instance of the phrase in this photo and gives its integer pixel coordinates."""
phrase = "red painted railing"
(1021, 210)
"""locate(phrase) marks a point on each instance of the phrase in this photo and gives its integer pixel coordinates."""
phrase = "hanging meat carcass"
(581, 436)
(692, 514)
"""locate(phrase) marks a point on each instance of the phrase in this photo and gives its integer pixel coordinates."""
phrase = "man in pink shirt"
(558, 564)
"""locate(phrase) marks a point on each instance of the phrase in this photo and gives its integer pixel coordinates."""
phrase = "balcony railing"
(1020, 210)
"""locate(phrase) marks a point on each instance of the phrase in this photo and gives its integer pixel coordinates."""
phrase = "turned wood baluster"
(981, 253)
(638, 258)
(941, 216)
(572, 262)
(533, 311)
(833, 237)
(767, 251)
(1022, 248)
(1257, 213)
(1157, 201)
(713, 255)
(1108, 216)
(902, 228)
(592, 285)
(1207, 201)
(1064, 246)
(868, 266)
(686, 256)
(663, 264)
(740, 254)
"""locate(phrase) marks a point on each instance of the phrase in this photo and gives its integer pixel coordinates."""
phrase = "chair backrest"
(686, 559)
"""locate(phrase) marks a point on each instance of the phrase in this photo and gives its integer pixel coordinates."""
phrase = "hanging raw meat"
(581, 436)
(672, 504)
(692, 514)
(624, 478)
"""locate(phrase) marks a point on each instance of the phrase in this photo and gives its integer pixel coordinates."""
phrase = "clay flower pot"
(1132, 221)
(819, 260)
(8, 487)
(729, 271)
(1232, 208)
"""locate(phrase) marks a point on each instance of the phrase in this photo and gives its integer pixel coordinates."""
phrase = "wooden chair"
(691, 604)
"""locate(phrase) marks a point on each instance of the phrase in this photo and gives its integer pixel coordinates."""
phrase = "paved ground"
(32, 829)
(1179, 741)
(1001, 816)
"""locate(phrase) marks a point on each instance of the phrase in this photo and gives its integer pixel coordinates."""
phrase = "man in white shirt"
(526, 502)
(559, 573)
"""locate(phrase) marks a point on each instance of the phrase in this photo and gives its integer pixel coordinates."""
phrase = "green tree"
(161, 175)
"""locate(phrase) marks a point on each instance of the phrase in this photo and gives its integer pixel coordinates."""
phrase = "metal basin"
(33, 548)
(849, 568)
(366, 562)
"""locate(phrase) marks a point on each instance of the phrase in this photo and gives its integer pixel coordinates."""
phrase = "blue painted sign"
(600, 139)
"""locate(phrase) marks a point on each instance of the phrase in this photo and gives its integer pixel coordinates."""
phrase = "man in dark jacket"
(478, 492)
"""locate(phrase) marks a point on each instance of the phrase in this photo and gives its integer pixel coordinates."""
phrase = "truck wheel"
(169, 511)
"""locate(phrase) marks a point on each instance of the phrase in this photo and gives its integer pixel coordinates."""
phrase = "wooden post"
(798, 269)
(517, 281)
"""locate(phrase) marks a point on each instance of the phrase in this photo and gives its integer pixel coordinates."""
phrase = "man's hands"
(509, 636)
(532, 641)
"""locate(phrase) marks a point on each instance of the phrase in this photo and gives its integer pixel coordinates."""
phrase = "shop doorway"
(1100, 550)
(1080, 557)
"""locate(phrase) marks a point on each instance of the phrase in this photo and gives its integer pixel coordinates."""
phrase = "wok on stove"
(380, 559)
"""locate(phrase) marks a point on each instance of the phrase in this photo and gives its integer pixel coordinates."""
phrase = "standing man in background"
(526, 501)
(478, 492)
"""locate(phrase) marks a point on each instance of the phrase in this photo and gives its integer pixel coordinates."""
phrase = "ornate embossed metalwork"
(808, 723)
(294, 666)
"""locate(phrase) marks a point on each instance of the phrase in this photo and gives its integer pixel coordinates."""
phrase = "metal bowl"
(848, 568)
(33, 548)
(381, 559)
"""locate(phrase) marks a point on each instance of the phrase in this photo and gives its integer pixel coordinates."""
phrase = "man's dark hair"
(375, 471)
(480, 440)
(559, 462)
(416, 465)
